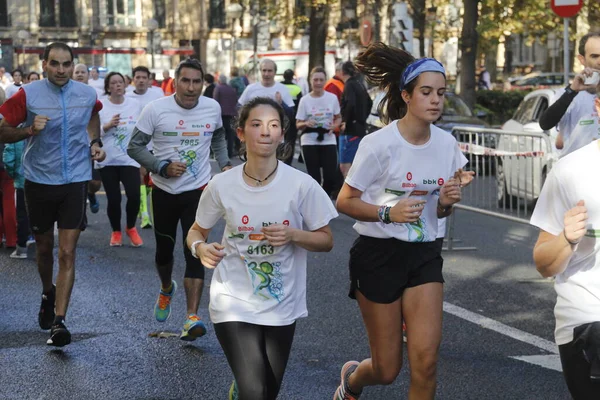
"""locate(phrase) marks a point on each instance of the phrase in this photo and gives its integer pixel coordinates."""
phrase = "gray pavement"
(112, 356)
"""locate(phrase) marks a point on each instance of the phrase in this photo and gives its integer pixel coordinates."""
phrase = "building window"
(121, 12)
(217, 14)
(3, 13)
(64, 9)
(68, 16)
(47, 13)
(160, 12)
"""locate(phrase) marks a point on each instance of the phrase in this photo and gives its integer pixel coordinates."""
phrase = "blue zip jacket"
(60, 153)
(13, 162)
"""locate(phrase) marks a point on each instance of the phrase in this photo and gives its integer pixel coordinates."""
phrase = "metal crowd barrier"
(510, 168)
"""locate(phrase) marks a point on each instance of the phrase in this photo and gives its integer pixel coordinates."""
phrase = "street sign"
(566, 8)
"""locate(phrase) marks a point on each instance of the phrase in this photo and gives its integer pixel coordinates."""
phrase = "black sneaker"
(46, 314)
(59, 335)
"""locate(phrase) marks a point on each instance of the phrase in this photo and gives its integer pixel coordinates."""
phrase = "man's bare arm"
(8, 134)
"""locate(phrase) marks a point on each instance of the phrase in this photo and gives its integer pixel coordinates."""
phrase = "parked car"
(456, 114)
(522, 177)
(540, 80)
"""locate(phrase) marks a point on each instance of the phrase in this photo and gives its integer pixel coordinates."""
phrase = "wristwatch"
(163, 170)
(97, 140)
(568, 90)
(193, 247)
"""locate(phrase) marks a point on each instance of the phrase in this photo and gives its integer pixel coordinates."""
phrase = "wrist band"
(384, 214)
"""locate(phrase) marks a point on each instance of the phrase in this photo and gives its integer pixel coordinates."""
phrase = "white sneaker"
(20, 252)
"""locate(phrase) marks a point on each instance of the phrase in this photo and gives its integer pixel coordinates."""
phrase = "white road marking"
(551, 361)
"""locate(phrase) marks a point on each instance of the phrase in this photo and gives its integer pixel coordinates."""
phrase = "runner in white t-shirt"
(568, 215)
(403, 179)
(81, 74)
(577, 99)
(183, 128)
(118, 117)
(258, 289)
(587, 130)
(144, 94)
(318, 115)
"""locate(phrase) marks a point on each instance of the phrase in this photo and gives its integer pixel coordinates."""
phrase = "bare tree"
(318, 34)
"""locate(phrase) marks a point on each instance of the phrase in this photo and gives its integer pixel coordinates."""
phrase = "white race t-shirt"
(267, 286)
(116, 140)
(586, 131)
(321, 109)
(388, 169)
(11, 90)
(258, 90)
(574, 178)
(182, 135)
(147, 97)
(581, 106)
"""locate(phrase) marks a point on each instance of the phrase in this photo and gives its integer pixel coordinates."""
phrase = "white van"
(296, 60)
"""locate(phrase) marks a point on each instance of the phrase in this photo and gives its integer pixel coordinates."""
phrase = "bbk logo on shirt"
(439, 182)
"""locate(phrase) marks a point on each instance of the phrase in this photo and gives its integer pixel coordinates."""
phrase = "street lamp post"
(349, 14)
(431, 13)
(152, 25)
(23, 36)
(234, 12)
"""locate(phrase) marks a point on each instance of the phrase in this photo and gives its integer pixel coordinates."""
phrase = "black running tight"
(257, 356)
(112, 176)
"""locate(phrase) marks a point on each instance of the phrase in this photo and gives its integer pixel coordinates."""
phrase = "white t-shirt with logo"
(182, 135)
(574, 178)
(586, 131)
(581, 106)
(255, 282)
(147, 97)
(258, 90)
(388, 169)
(116, 140)
(11, 90)
(321, 109)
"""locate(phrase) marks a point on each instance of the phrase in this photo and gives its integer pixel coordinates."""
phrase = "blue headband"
(416, 68)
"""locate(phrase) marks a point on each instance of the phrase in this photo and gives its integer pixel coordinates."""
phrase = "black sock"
(51, 293)
(59, 319)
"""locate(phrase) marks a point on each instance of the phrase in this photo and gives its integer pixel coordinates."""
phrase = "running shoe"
(162, 308)
(347, 370)
(46, 314)
(134, 237)
(193, 328)
(30, 241)
(94, 203)
(59, 335)
(116, 239)
(20, 252)
(233, 391)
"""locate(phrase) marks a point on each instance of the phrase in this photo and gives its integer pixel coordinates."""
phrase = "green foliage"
(499, 106)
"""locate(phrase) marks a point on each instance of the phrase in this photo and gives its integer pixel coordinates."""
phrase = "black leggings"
(168, 209)
(317, 157)
(112, 176)
(257, 356)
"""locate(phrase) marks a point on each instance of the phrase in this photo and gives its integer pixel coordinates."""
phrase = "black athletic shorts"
(382, 268)
(64, 204)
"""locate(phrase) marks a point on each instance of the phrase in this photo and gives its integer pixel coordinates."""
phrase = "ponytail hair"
(383, 66)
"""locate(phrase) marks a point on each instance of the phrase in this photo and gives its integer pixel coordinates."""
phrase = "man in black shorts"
(57, 113)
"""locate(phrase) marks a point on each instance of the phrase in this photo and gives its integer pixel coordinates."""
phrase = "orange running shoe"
(116, 239)
(134, 237)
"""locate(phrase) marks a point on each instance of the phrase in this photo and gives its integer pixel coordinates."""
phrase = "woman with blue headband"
(404, 178)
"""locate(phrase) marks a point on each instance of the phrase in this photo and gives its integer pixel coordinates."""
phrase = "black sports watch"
(98, 141)
(570, 91)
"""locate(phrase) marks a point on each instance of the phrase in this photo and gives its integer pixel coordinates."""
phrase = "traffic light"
(403, 26)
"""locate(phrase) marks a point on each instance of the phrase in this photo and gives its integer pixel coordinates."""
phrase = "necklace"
(259, 181)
